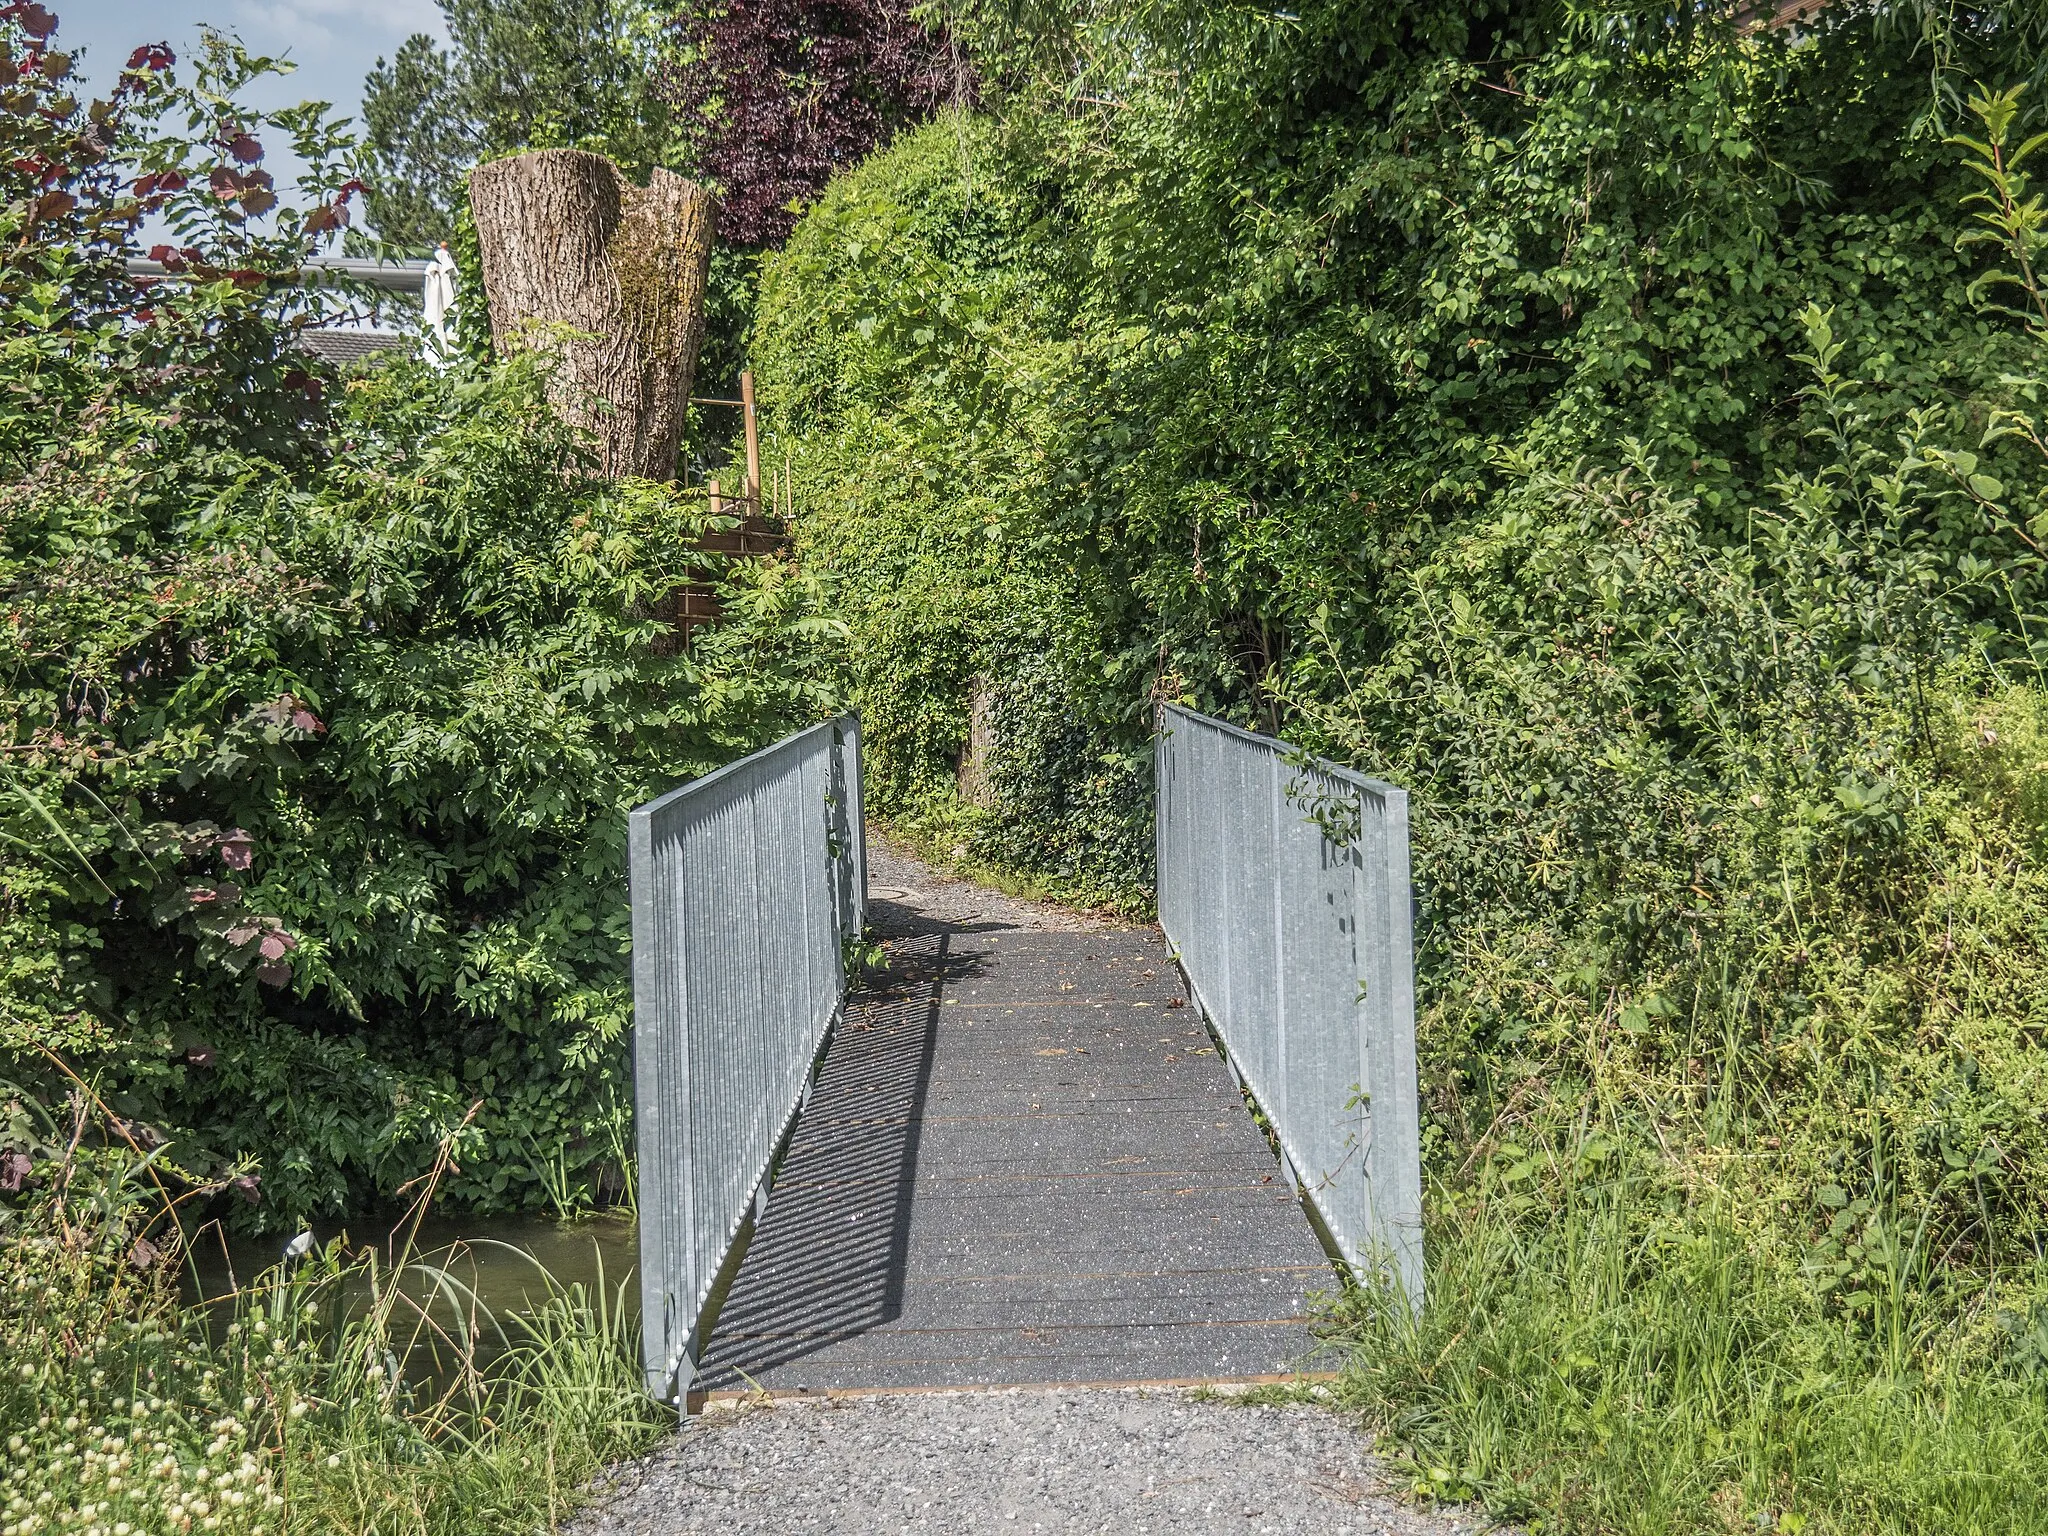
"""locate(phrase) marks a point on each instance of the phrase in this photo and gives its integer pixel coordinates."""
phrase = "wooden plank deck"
(1022, 1163)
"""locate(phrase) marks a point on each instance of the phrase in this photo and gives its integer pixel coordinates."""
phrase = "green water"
(505, 1263)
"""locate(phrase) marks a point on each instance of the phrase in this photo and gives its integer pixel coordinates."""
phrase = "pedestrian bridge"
(1019, 1149)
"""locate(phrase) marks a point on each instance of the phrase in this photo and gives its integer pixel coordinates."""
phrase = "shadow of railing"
(828, 1259)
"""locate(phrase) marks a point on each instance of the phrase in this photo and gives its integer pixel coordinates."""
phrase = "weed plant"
(1737, 1105)
(1622, 427)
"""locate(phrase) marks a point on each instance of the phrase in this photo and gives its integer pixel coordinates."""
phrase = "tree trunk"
(569, 242)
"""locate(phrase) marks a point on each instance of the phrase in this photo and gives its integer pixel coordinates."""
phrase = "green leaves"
(2009, 217)
(1588, 425)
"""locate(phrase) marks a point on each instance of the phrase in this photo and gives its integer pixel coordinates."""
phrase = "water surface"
(507, 1264)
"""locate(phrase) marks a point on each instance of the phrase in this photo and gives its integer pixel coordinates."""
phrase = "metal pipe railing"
(746, 886)
(396, 276)
(1284, 890)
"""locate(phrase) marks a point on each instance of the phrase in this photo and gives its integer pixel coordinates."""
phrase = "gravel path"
(1127, 1460)
(907, 895)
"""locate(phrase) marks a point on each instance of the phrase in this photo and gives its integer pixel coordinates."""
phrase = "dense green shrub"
(1218, 328)
(895, 336)
(1207, 424)
(325, 695)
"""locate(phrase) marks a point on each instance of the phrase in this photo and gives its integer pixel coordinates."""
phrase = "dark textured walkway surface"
(1022, 1162)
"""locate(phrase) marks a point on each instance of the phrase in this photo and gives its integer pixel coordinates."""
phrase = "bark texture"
(568, 242)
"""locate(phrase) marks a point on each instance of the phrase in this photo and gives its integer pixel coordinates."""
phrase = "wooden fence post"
(753, 441)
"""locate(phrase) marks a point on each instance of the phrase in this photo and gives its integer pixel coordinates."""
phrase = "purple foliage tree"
(776, 95)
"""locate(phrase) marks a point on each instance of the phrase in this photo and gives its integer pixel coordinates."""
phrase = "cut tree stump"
(607, 276)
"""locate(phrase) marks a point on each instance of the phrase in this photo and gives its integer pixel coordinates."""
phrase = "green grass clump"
(342, 1393)
(1612, 1359)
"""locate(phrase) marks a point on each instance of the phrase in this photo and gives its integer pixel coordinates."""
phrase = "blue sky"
(333, 42)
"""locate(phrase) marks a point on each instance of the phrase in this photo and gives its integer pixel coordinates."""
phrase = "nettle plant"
(324, 694)
(2012, 221)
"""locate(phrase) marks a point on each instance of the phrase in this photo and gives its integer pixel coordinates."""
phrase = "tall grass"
(428, 1413)
(360, 1391)
(1612, 1361)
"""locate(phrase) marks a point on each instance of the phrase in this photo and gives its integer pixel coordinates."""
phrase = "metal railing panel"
(745, 886)
(1284, 889)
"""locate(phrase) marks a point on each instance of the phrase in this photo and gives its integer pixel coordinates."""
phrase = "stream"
(508, 1262)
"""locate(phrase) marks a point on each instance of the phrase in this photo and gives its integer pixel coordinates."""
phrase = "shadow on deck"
(1021, 1162)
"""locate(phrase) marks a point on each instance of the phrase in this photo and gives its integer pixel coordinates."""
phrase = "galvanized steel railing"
(1283, 887)
(745, 886)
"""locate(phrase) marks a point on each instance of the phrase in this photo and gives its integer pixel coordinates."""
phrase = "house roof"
(351, 346)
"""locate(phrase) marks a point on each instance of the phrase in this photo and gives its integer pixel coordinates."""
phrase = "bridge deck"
(1021, 1162)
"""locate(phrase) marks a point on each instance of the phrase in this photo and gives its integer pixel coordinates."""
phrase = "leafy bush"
(891, 337)
(327, 695)
(1736, 826)
(1635, 706)
(773, 99)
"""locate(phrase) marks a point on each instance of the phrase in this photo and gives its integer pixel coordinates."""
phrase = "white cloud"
(304, 25)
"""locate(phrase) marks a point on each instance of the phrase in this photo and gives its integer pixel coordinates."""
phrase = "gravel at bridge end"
(1132, 1461)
